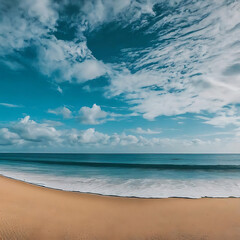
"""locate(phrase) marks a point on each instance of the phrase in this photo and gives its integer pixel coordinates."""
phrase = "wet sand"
(32, 212)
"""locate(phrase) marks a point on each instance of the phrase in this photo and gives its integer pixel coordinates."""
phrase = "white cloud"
(29, 135)
(68, 61)
(10, 105)
(23, 22)
(123, 139)
(91, 69)
(94, 115)
(59, 89)
(229, 116)
(64, 111)
(29, 23)
(191, 65)
(44, 11)
(88, 137)
(7, 137)
(125, 12)
(139, 130)
(179, 118)
(90, 115)
(13, 65)
(53, 123)
(237, 132)
(188, 68)
(29, 130)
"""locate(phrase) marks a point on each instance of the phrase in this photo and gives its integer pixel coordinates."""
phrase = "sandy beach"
(32, 212)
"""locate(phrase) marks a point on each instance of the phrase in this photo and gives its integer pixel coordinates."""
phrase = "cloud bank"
(30, 135)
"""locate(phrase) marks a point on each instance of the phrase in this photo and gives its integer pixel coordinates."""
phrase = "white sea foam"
(147, 188)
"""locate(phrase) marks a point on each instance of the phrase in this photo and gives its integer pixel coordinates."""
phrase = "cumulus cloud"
(23, 22)
(28, 135)
(87, 137)
(8, 138)
(64, 111)
(68, 61)
(123, 139)
(90, 115)
(93, 115)
(29, 130)
(31, 24)
(31, 133)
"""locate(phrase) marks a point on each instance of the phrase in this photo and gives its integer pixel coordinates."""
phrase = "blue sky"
(119, 76)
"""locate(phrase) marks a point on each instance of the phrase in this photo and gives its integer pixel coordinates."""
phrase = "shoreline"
(137, 153)
(33, 212)
(114, 196)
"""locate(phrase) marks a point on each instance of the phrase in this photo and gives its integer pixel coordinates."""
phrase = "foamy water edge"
(134, 188)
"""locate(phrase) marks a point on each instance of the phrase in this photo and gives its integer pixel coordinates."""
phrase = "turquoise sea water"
(138, 175)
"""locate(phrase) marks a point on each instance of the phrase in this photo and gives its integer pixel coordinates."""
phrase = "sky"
(120, 76)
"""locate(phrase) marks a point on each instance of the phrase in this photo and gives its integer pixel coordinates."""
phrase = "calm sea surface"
(139, 175)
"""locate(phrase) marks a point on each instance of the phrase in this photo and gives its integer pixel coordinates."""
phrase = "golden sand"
(31, 212)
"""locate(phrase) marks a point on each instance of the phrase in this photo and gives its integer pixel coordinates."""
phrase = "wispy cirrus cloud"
(187, 67)
(147, 131)
(223, 118)
(10, 105)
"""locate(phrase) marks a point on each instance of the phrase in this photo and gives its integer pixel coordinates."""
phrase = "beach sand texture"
(32, 212)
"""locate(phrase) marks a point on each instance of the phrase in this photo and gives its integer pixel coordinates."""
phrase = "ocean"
(129, 175)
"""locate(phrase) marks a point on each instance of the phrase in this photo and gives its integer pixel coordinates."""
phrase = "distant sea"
(130, 175)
